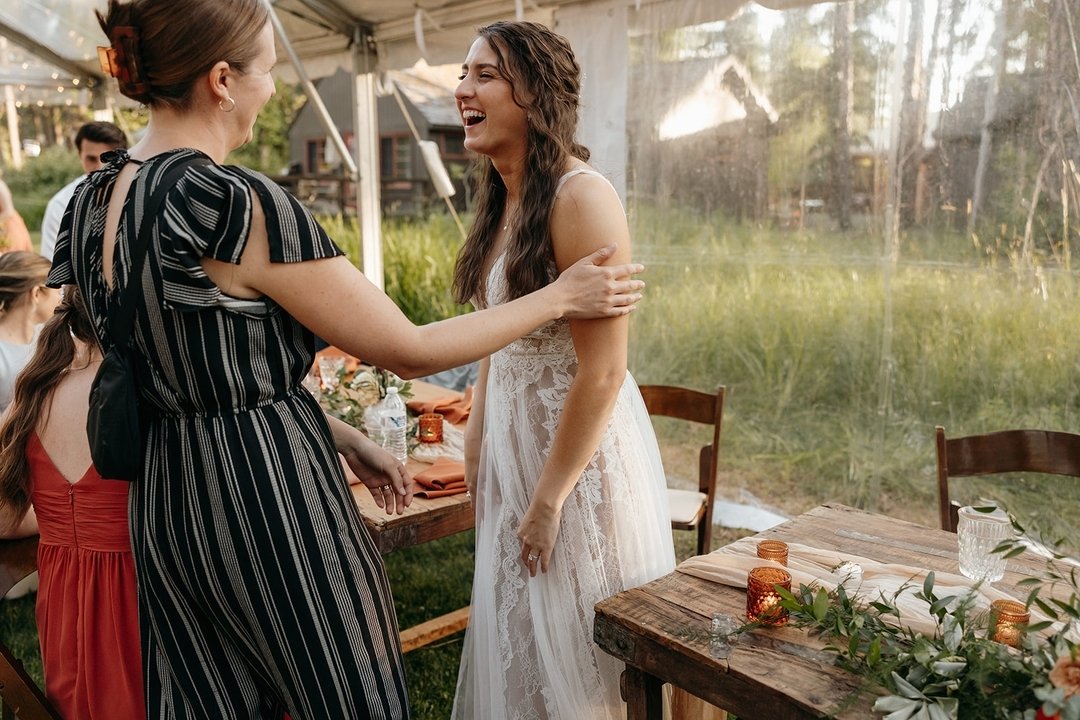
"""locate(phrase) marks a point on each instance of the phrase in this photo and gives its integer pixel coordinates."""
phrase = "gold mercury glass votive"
(1006, 617)
(431, 428)
(762, 600)
(773, 550)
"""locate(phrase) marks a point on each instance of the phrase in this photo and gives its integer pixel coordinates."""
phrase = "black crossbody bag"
(113, 424)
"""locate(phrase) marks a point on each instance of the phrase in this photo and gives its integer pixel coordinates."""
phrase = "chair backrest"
(698, 407)
(20, 697)
(1036, 451)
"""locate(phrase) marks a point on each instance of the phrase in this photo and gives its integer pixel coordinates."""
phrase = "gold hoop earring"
(231, 105)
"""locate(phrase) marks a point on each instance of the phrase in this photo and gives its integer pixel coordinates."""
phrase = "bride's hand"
(589, 289)
(537, 534)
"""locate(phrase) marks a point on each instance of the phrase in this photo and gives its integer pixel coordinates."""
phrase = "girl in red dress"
(87, 615)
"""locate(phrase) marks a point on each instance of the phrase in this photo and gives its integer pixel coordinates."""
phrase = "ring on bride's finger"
(533, 558)
(385, 487)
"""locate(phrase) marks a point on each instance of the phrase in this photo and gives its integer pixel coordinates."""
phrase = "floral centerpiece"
(959, 672)
(349, 397)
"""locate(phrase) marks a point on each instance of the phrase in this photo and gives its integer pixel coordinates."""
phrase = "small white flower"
(848, 570)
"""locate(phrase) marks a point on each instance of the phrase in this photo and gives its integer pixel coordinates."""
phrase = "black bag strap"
(123, 316)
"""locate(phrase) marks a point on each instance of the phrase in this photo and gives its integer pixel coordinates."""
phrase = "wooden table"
(660, 629)
(423, 521)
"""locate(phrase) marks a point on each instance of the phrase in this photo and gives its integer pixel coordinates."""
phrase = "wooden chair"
(692, 509)
(1036, 451)
(20, 697)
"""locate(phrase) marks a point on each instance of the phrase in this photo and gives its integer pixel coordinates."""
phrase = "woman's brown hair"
(20, 272)
(52, 358)
(545, 80)
(166, 45)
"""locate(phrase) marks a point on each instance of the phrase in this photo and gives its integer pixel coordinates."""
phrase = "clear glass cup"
(330, 369)
(978, 533)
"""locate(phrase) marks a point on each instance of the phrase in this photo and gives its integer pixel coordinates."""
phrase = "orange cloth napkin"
(444, 477)
(453, 409)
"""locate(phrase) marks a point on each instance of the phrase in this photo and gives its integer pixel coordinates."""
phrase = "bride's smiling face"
(494, 123)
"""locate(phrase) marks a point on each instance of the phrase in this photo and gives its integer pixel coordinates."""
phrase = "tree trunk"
(947, 178)
(924, 173)
(911, 120)
(844, 19)
(989, 114)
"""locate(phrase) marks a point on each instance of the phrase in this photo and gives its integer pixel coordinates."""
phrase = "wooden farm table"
(660, 630)
(423, 521)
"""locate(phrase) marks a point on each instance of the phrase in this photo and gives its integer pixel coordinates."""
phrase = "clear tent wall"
(859, 217)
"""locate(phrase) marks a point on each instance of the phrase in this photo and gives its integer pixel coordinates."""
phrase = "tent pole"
(13, 127)
(366, 142)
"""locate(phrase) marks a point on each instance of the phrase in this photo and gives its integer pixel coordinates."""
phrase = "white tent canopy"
(370, 36)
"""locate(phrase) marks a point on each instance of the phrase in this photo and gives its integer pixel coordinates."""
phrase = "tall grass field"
(838, 365)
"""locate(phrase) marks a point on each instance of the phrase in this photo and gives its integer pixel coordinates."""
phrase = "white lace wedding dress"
(529, 652)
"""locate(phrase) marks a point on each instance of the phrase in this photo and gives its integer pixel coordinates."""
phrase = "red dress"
(87, 613)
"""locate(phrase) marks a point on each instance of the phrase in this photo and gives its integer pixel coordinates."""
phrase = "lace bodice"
(548, 347)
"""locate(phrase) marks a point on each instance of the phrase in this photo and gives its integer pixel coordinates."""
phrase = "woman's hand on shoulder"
(591, 244)
(590, 289)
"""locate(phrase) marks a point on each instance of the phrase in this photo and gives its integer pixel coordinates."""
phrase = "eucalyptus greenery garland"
(959, 672)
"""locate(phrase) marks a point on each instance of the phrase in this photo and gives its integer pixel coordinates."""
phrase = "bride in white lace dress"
(560, 453)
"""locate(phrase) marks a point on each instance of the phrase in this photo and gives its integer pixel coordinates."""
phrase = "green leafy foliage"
(351, 396)
(45, 174)
(959, 672)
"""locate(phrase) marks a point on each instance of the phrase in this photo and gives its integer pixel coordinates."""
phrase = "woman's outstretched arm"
(334, 300)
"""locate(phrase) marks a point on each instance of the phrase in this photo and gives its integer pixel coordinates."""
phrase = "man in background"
(93, 140)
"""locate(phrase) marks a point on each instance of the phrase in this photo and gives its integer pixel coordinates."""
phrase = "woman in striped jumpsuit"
(258, 587)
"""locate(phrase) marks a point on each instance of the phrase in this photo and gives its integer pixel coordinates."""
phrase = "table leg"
(641, 691)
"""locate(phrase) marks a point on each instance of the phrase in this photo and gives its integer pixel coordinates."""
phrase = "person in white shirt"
(93, 140)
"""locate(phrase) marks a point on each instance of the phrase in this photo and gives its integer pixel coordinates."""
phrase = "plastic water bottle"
(392, 408)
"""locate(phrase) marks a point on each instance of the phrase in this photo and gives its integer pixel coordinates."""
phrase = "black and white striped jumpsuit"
(259, 587)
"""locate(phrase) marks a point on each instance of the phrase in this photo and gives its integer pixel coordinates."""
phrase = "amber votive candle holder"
(762, 599)
(1006, 620)
(773, 550)
(430, 430)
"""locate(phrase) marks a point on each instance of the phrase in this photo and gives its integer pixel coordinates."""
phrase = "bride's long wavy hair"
(53, 357)
(545, 81)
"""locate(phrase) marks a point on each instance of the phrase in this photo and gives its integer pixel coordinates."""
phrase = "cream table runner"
(807, 565)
